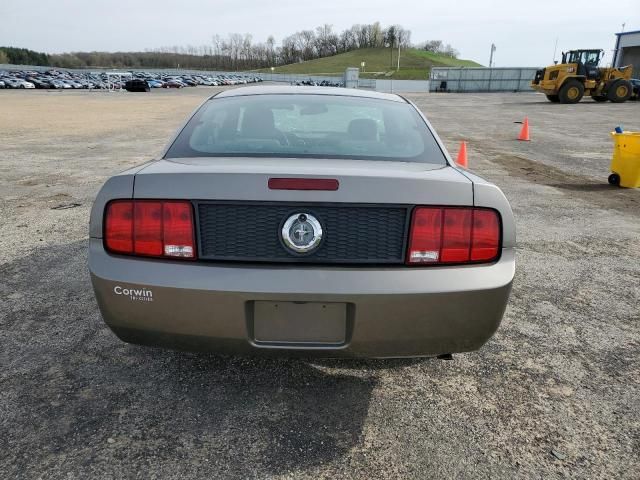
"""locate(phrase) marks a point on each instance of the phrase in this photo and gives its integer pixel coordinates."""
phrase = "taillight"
(447, 235)
(153, 228)
(118, 227)
(147, 228)
(330, 184)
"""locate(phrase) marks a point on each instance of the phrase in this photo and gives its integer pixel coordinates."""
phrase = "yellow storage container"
(625, 163)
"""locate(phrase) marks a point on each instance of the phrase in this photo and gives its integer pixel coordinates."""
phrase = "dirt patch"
(598, 194)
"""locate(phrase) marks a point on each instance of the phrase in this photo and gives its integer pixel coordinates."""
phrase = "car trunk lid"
(247, 179)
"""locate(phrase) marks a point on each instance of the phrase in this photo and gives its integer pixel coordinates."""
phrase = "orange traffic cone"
(524, 133)
(462, 155)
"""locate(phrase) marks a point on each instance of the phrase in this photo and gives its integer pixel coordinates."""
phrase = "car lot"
(554, 394)
(60, 79)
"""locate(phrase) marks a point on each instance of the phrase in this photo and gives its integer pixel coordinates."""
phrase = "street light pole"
(493, 49)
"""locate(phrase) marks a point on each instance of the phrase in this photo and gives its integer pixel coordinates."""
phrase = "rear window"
(307, 126)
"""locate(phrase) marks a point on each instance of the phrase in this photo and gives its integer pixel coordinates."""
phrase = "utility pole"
(391, 58)
(493, 49)
(398, 54)
(555, 50)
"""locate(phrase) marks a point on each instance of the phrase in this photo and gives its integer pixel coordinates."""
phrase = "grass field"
(380, 62)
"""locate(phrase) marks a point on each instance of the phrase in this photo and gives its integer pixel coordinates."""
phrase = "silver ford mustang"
(306, 220)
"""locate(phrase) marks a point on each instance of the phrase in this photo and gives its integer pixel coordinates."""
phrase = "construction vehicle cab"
(580, 74)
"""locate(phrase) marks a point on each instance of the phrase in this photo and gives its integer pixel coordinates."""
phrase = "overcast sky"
(523, 31)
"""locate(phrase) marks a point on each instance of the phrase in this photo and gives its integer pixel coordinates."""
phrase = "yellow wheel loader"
(579, 74)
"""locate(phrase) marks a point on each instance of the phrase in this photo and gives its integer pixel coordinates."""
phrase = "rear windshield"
(313, 126)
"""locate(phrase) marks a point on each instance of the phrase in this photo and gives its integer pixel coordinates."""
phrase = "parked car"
(308, 220)
(172, 84)
(17, 83)
(60, 84)
(136, 85)
(39, 82)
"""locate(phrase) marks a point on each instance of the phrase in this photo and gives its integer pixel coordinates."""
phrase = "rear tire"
(553, 98)
(571, 91)
(619, 91)
(600, 99)
(614, 179)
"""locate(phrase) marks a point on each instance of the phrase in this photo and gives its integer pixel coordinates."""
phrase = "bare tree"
(239, 51)
(271, 50)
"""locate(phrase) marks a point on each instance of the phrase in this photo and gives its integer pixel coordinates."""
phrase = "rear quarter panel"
(486, 194)
(119, 186)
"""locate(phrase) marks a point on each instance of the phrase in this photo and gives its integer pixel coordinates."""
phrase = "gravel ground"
(556, 392)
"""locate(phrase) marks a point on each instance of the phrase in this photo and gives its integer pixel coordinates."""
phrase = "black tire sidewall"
(562, 94)
(614, 179)
(611, 91)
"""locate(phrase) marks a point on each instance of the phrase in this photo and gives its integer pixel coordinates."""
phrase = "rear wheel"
(553, 98)
(619, 91)
(614, 179)
(602, 98)
(571, 91)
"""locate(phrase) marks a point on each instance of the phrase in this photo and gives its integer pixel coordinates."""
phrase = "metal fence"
(402, 86)
(461, 79)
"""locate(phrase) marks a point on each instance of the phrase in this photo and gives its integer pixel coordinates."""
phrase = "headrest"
(257, 122)
(363, 129)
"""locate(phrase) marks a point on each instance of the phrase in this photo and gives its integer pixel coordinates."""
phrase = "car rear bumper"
(390, 312)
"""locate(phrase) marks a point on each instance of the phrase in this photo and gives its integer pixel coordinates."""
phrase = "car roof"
(304, 90)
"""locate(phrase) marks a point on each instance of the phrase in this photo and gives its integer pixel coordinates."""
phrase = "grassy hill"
(414, 64)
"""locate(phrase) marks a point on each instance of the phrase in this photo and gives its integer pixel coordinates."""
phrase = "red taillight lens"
(118, 226)
(486, 235)
(150, 228)
(147, 228)
(178, 229)
(453, 235)
(426, 235)
(456, 238)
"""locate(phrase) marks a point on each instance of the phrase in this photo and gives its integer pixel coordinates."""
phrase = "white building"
(627, 51)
